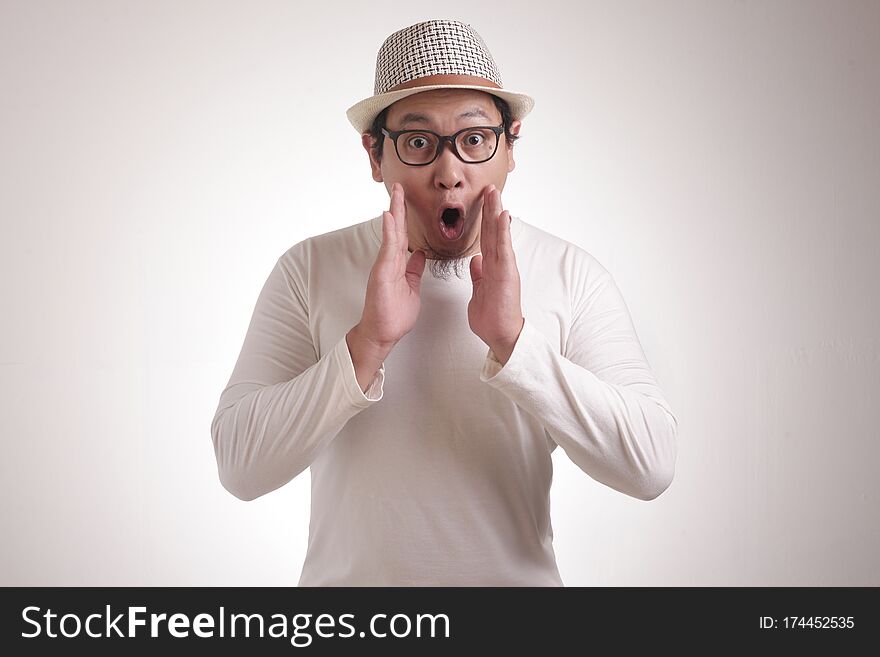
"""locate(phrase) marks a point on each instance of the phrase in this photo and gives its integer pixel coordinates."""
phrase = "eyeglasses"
(419, 148)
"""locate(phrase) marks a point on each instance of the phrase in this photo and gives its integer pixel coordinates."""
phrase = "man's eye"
(417, 142)
(474, 139)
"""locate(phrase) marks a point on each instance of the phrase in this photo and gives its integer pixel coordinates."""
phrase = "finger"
(497, 194)
(484, 230)
(414, 269)
(476, 271)
(488, 233)
(505, 245)
(389, 236)
(398, 209)
(497, 209)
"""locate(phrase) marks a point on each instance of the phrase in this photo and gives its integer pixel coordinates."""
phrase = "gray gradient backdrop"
(721, 159)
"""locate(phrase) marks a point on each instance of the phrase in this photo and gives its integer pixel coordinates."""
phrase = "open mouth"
(451, 222)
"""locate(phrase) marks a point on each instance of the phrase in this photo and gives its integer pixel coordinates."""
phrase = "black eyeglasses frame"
(441, 139)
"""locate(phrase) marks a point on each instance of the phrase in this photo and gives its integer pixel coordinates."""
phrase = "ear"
(514, 129)
(367, 141)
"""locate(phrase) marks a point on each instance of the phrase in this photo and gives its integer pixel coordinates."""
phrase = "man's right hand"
(391, 303)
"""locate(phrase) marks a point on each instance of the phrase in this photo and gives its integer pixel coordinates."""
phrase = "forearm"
(622, 436)
(272, 433)
(366, 356)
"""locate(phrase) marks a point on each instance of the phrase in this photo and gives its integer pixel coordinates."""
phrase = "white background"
(721, 159)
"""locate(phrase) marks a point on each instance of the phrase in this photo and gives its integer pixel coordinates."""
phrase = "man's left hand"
(494, 311)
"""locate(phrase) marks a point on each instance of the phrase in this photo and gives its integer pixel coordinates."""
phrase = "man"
(426, 404)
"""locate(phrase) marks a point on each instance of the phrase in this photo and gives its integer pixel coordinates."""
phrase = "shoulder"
(539, 248)
(350, 244)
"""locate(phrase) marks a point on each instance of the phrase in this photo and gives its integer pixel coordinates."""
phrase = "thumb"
(415, 267)
(476, 270)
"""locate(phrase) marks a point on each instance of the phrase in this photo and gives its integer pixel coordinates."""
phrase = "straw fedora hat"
(437, 54)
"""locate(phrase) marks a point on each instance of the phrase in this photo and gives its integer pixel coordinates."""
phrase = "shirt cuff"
(357, 396)
(494, 373)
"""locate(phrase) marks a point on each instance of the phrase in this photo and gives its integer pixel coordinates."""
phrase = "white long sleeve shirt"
(439, 474)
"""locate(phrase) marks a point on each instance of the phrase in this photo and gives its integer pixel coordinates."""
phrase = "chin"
(446, 253)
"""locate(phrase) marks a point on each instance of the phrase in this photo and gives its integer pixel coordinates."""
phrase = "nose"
(447, 168)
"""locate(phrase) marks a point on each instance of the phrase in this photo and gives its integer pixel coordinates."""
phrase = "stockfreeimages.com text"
(135, 622)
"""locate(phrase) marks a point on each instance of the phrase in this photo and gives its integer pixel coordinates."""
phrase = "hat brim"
(362, 114)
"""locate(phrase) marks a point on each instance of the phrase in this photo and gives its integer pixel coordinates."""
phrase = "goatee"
(444, 268)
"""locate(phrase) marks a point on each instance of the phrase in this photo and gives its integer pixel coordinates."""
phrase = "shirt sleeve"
(598, 400)
(283, 404)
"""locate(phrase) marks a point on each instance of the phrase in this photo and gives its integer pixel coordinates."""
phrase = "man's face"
(447, 180)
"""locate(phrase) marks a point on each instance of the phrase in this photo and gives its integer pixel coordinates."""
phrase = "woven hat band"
(446, 79)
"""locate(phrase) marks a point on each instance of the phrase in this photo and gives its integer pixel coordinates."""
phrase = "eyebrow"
(412, 117)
